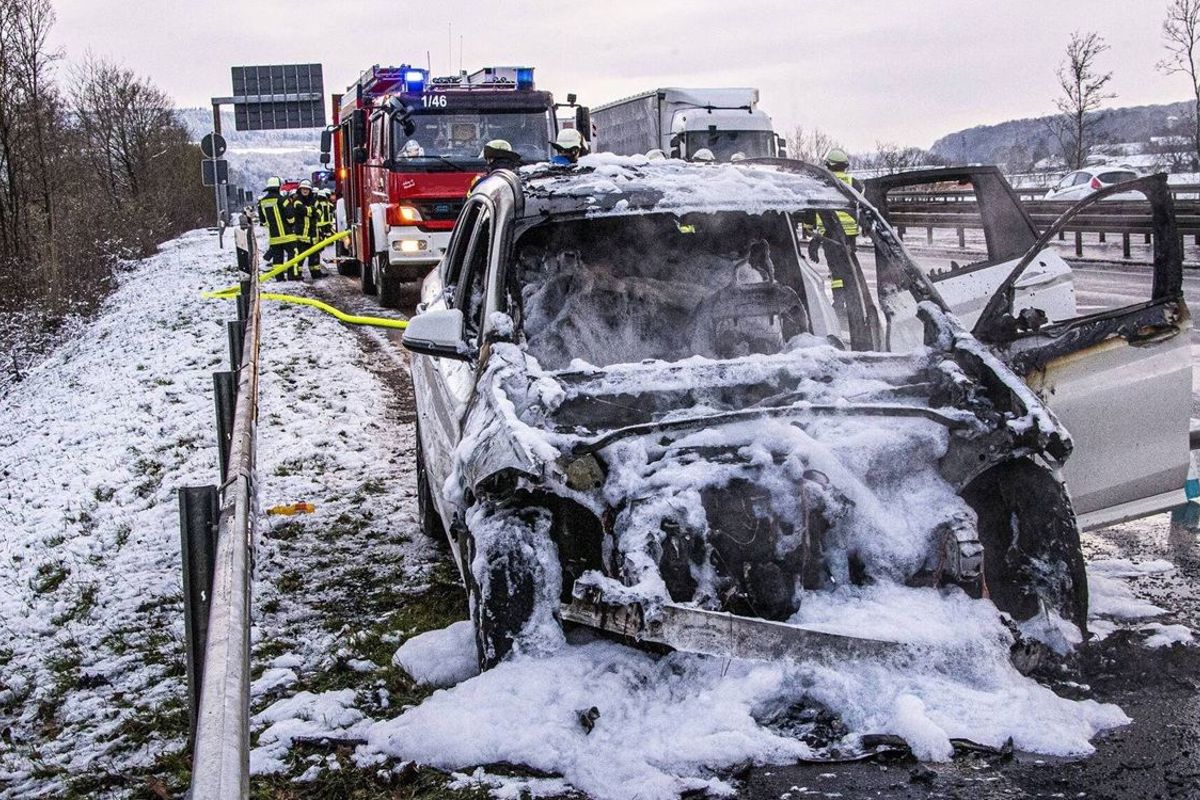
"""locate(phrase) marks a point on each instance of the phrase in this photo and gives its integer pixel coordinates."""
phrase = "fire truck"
(406, 149)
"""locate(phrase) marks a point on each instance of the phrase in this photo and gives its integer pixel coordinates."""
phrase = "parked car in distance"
(1081, 183)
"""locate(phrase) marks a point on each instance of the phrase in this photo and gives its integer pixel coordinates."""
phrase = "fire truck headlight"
(410, 245)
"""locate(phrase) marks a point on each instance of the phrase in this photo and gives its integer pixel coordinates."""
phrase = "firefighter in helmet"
(324, 214)
(497, 154)
(305, 206)
(837, 162)
(569, 146)
(275, 215)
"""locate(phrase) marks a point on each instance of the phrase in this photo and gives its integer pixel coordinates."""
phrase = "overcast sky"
(903, 71)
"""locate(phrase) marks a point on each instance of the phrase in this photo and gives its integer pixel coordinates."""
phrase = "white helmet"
(655, 155)
(704, 155)
(305, 184)
(413, 149)
(737, 157)
(570, 139)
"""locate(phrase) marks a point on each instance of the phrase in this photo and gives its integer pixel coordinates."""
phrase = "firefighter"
(306, 215)
(324, 219)
(569, 145)
(290, 250)
(499, 154)
(275, 215)
(837, 162)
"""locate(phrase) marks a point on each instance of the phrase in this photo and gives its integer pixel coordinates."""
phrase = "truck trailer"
(681, 122)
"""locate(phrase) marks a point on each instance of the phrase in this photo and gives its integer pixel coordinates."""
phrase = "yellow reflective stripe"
(836, 283)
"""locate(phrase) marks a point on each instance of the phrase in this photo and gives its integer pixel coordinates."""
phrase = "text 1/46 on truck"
(406, 148)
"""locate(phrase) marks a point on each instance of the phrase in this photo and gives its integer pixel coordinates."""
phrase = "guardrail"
(959, 211)
(217, 528)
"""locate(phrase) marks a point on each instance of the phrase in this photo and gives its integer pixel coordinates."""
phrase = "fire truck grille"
(439, 210)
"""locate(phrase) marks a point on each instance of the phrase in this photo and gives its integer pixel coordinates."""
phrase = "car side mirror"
(438, 334)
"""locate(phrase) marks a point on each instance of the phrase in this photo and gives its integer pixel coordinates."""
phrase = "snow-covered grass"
(93, 445)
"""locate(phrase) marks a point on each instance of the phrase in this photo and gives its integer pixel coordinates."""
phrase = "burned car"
(641, 410)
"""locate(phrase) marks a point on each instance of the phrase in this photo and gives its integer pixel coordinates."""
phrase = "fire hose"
(230, 292)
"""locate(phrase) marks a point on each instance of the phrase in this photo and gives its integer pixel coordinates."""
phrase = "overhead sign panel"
(278, 96)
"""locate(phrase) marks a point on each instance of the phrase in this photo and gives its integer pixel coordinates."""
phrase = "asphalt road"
(1157, 756)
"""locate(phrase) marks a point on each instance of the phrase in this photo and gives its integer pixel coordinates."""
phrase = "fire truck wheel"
(391, 288)
(367, 275)
(345, 264)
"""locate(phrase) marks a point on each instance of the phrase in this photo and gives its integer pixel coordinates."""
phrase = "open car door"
(1119, 377)
(973, 198)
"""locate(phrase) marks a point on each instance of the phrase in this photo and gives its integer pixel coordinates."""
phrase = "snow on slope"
(93, 445)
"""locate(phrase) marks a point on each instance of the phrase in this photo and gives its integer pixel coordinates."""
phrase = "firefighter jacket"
(275, 213)
(324, 217)
(849, 223)
(305, 213)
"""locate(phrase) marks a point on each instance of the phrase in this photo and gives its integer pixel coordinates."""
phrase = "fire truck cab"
(408, 147)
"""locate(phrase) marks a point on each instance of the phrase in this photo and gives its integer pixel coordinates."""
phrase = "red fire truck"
(406, 149)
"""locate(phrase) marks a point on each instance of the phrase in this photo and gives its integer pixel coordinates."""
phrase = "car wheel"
(1032, 557)
(508, 579)
(427, 515)
(391, 288)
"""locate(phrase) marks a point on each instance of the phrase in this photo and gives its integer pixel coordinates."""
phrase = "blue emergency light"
(525, 77)
(414, 80)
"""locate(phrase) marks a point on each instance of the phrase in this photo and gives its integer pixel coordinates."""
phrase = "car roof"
(608, 185)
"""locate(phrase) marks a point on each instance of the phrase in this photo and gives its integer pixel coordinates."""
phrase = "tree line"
(1084, 89)
(90, 175)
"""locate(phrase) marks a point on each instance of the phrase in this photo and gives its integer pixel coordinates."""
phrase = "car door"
(444, 386)
(1119, 376)
(976, 198)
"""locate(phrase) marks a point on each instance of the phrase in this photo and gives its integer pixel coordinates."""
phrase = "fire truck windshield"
(460, 136)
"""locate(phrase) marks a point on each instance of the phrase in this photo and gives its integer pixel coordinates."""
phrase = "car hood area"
(729, 483)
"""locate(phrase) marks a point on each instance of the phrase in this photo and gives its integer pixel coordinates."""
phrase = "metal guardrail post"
(243, 301)
(226, 401)
(198, 528)
(235, 331)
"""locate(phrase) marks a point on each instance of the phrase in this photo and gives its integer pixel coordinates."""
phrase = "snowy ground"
(97, 438)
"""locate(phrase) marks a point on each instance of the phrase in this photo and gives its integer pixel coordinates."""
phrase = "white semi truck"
(682, 121)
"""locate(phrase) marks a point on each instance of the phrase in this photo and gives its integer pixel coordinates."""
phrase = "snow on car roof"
(611, 185)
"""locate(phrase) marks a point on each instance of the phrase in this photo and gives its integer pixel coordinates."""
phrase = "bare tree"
(1083, 92)
(890, 158)
(1181, 35)
(809, 145)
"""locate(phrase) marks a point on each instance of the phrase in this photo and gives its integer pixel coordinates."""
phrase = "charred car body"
(639, 409)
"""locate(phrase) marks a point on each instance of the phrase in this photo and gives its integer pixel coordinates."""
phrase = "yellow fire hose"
(230, 292)
(352, 319)
(235, 290)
